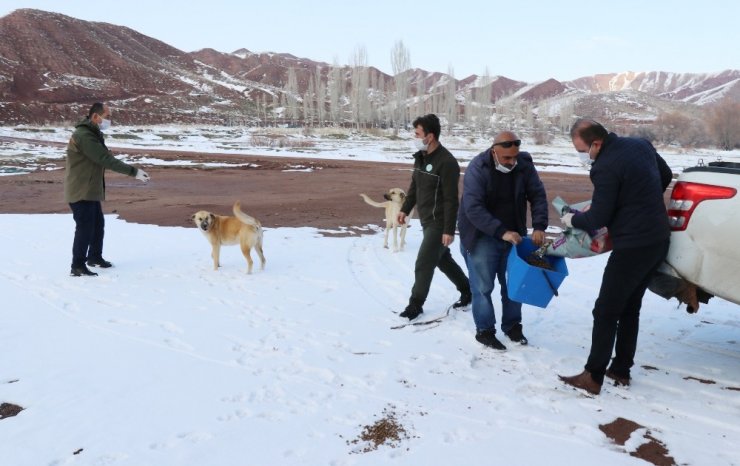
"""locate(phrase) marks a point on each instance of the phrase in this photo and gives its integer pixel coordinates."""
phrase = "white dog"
(392, 205)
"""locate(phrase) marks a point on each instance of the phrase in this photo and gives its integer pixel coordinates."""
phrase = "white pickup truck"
(703, 259)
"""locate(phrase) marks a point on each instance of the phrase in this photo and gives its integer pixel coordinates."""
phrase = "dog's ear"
(192, 217)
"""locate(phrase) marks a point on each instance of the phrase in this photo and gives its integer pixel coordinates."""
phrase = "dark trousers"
(433, 254)
(89, 231)
(617, 309)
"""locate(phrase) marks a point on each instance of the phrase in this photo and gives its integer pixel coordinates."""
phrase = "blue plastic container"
(529, 284)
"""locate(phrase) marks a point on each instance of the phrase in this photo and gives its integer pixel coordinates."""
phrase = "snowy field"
(162, 361)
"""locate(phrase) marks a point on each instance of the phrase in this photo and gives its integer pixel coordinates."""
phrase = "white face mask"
(419, 144)
(585, 157)
(105, 124)
(503, 168)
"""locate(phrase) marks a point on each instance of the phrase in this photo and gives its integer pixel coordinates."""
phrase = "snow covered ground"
(163, 361)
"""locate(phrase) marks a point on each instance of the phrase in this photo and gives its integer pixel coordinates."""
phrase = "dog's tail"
(371, 202)
(244, 218)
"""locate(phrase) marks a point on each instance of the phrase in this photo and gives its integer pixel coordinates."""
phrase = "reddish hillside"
(52, 67)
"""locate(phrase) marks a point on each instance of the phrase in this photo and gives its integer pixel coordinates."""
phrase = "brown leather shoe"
(584, 381)
(618, 379)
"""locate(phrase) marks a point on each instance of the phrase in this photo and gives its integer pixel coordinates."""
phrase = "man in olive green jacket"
(433, 192)
(84, 187)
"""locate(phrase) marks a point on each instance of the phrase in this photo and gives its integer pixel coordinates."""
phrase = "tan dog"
(221, 230)
(394, 200)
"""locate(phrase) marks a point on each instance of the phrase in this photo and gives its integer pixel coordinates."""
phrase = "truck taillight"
(686, 196)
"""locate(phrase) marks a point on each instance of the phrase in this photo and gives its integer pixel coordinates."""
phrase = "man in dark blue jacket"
(492, 217)
(629, 179)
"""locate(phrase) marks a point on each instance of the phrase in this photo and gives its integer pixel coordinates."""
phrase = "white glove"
(141, 175)
(567, 220)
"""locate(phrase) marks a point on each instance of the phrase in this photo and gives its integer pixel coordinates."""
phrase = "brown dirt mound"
(9, 410)
(653, 451)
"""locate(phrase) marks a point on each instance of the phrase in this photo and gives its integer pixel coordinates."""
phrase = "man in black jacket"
(433, 191)
(629, 178)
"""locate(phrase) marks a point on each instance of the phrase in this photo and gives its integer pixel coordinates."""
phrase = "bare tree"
(543, 115)
(319, 95)
(335, 86)
(381, 105)
(450, 96)
(421, 97)
(483, 102)
(670, 125)
(565, 117)
(360, 84)
(308, 101)
(401, 63)
(528, 114)
(275, 106)
(291, 95)
(469, 106)
(511, 112)
(724, 124)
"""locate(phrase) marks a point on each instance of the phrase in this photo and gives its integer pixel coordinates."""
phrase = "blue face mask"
(105, 124)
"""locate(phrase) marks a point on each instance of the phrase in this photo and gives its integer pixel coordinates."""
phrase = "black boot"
(515, 334)
(617, 378)
(488, 338)
(80, 271)
(412, 311)
(99, 262)
(465, 298)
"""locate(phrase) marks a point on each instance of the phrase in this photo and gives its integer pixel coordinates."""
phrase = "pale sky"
(526, 40)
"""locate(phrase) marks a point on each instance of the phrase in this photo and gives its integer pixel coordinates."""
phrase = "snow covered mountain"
(52, 66)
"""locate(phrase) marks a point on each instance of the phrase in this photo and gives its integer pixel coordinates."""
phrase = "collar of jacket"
(608, 140)
(419, 155)
(86, 122)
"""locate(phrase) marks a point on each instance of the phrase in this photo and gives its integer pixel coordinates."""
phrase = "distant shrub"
(271, 140)
(336, 136)
(124, 136)
(644, 132)
(376, 132)
(36, 130)
(542, 137)
(169, 137)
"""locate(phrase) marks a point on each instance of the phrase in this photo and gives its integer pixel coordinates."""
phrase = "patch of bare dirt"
(653, 450)
(704, 381)
(9, 410)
